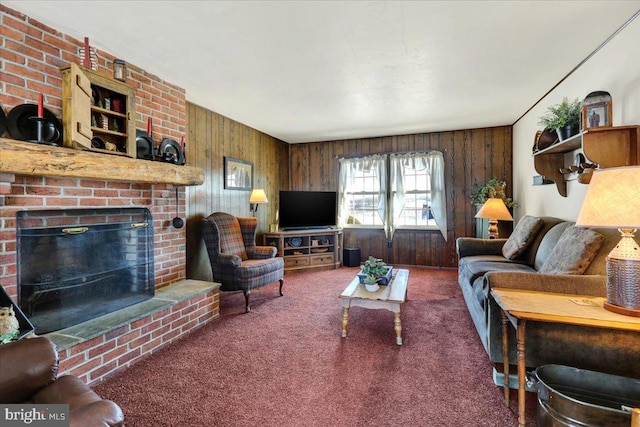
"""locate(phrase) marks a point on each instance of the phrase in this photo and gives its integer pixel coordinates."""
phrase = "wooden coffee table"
(387, 297)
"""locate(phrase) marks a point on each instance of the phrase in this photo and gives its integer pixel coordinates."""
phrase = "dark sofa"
(28, 374)
(482, 266)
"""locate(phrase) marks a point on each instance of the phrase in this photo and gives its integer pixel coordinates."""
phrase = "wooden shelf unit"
(608, 147)
(317, 249)
(89, 110)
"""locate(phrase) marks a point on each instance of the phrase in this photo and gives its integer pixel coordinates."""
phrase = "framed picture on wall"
(596, 110)
(238, 174)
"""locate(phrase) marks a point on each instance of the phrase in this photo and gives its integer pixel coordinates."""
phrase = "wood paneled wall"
(471, 158)
(210, 138)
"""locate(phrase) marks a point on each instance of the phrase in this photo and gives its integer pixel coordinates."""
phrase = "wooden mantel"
(24, 158)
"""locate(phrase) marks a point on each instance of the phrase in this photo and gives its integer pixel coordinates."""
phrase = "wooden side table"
(518, 306)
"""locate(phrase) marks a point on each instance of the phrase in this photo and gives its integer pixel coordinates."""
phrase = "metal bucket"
(571, 397)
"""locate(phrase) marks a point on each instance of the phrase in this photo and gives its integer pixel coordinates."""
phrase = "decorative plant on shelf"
(494, 188)
(564, 118)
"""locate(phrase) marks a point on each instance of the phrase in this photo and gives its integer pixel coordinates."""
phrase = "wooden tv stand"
(304, 249)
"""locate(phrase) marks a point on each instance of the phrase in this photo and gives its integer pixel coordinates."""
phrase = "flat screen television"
(307, 209)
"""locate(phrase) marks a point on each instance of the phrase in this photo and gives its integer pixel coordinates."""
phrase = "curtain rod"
(353, 156)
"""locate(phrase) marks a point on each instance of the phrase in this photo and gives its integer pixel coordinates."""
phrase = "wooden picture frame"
(597, 111)
(238, 174)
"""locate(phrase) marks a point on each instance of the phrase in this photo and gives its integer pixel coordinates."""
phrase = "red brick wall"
(96, 359)
(32, 54)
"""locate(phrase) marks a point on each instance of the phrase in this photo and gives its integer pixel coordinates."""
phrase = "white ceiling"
(322, 70)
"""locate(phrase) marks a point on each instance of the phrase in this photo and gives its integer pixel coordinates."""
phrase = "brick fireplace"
(32, 56)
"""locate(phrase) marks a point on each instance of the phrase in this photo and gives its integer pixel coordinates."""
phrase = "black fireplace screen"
(78, 264)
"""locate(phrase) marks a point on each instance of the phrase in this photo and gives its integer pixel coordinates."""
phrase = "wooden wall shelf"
(608, 147)
(25, 158)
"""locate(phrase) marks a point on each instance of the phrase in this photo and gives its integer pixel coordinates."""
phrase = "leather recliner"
(28, 374)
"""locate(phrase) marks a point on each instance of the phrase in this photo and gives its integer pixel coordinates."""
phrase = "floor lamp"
(494, 210)
(613, 201)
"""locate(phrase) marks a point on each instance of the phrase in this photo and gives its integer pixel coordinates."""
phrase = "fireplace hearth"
(75, 265)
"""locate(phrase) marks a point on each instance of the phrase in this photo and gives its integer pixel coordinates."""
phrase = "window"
(416, 211)
(364, 198)
(393, 191)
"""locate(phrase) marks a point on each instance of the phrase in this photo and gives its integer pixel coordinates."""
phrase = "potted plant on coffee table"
(371, 283)
(377, 269)
(563, 118)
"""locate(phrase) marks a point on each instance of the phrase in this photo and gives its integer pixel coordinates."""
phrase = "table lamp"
(613, 201)
(257, 198)
(494, 210)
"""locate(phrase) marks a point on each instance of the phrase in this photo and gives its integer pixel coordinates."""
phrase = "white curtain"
(348, 169)
(433, 161)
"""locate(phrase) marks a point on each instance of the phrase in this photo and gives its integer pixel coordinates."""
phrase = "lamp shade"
(612, 200)
(494, 209)
(258, 196)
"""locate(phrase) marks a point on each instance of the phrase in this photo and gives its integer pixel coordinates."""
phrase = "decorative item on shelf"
(613, 201)
(88, 56)
(34, 123)
(377, 268)
(597, 110)
(544, 139)
(564, 118)
(257, 198)
(295, 242)
(145, 146)
(493, 188)
(119, 70)
(494, 210)
(170, 152)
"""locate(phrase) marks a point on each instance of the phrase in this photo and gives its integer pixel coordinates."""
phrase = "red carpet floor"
(285, 364)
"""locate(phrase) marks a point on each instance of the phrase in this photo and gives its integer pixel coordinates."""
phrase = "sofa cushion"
(522, 236)
(573, 253)
(470, 270)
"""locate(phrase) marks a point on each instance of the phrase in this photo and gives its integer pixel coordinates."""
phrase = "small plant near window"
(493, 188)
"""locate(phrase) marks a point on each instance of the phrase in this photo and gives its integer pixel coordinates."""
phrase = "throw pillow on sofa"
(573, 253)
(522, 236)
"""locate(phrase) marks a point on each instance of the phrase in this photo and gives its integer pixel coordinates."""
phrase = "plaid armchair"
(236, 262)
